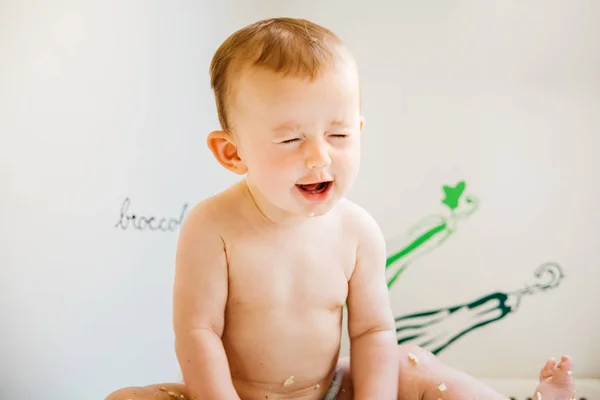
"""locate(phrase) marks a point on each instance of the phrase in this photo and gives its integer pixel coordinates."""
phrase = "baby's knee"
(411, 354)
(166, 391)
(417, 368)
(127, 393)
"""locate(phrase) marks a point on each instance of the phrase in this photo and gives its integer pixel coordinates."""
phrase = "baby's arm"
(373, 349)
(199, 299)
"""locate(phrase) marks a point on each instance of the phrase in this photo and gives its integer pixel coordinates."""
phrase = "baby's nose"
(317, 157)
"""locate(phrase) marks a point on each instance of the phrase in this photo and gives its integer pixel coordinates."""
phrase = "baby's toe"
(564, 368)
(548, 369)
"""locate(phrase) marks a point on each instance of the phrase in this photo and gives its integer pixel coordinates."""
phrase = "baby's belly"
(282, 351)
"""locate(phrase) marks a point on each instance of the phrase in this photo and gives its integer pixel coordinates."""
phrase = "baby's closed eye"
(290, 140)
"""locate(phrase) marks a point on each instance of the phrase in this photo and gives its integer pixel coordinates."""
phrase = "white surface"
(102, 101)
(522, 389)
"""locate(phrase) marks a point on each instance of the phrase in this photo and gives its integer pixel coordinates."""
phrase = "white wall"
(99, 101)
(110, 100)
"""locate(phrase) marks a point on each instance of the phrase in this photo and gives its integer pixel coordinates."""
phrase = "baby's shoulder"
(356, 220)
(213, 212)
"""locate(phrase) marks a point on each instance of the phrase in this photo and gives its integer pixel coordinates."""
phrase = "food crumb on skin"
(414, 360)
(289, 381)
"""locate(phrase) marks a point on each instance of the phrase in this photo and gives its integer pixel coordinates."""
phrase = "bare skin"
(556, 380)
(259, 354)
(286, 288)
(415, 382)
(265, 267)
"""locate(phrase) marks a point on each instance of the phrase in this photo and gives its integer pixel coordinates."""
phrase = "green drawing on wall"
(432, 231)
(435, 330)
(453, 195)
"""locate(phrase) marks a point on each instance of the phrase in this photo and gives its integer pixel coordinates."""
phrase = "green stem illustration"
(431, 237)
(415, 244)
(435, 330)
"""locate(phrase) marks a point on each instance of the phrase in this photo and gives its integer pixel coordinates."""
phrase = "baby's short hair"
(289, 46)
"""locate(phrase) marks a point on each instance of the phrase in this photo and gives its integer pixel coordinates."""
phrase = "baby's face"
(299, 140)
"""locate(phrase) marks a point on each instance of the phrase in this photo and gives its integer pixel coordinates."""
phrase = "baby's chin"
(315, 214)
(319, 210)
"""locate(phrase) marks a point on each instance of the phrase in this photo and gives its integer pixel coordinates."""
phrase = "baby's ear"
(362, 122)
(223, 147)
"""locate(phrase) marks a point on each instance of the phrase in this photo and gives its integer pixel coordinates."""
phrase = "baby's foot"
(556, 381)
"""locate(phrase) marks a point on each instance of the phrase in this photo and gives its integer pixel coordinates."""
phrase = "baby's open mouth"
(315, 188)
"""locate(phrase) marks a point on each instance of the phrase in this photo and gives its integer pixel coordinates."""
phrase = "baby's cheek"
(347, 163)
(273, 165)
(262, 161)
(276, 171)
(285, 163)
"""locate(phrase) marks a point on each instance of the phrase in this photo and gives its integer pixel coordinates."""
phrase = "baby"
(265, 268)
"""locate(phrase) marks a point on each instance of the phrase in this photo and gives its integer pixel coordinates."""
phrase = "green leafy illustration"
(453, 194)
(437, 329)
(419, 241)
(432, 232)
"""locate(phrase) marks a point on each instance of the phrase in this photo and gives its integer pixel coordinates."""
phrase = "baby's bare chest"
(289, 271)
